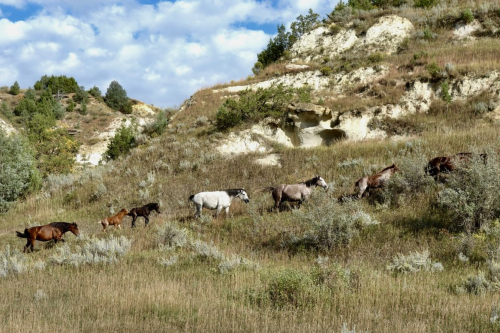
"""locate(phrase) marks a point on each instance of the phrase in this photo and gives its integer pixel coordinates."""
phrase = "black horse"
(143, 211)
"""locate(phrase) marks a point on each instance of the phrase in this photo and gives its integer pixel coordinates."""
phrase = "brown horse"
(375, 181)
(54, 230)
(114, 220)
(143, 211)
(294, 192)
(446, 164)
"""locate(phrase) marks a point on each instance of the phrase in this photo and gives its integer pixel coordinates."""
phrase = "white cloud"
(160, 54)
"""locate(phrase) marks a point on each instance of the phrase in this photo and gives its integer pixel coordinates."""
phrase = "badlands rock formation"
(384, 36)
(309, 125)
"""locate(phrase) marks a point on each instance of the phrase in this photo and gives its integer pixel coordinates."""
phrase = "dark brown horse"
(115, 220)
(54, 230)
(375, 181)
(143, 211)
(446, 164)
(294, 192)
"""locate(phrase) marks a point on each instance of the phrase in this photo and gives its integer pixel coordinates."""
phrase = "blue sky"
(161, 52)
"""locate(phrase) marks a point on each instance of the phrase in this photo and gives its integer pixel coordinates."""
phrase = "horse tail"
(191, 197)
(268, 189)
(20, 235)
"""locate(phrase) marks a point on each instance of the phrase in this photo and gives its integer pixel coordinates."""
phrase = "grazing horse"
(143, 211)
(54, 230)
(375, 181)
(294, 192)
(115, 220)
(217, 200)
(446, 164)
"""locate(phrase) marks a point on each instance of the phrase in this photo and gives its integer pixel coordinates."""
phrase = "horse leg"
(146, 219)
(134, 217)
(198, 211)
(219, 208)
(227, 212)
(28, 243)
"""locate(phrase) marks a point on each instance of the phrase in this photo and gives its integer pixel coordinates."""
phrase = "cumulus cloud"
(160, 53)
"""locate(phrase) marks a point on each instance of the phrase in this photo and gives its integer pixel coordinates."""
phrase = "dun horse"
(375, 181)
(54, 230)
(294, 192)
(115, 220)
(217, 200)
(143, 211)
(446, 164)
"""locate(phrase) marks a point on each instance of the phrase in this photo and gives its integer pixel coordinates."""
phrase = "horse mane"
(234, 191)
(63, 226)
(311, 181)
(389, 167)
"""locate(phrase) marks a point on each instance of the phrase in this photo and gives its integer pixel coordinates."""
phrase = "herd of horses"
(219, 200)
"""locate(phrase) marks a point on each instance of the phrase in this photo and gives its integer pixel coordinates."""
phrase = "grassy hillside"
(323, 268)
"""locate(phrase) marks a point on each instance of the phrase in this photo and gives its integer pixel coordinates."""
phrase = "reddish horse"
(115, 220)
(54, 230)
(446, 164)
(375, 181)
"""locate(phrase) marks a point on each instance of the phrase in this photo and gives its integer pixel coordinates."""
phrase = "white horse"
(217, 200)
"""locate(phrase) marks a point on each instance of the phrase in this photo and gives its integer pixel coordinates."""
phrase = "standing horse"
(143, 211)
(54, 230)
(294, 192)
(115, 220)
(217, 200)
(446, 164)
(375, 181)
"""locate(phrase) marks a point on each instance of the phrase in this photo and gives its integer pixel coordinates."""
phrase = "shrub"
(405, 186)
(471, 193)
(467, 16)
(376, 57)
(18, 172)
(159, 126)
(425, 3)
(58, 84)
(257, 68)
(434, 70)
(326, 71)
(330, 224)
(5, 109)
(96, 92)
(122, 142)
(253, 106)
(289, 288)
(170, 237)
(93, 251)
(445, 92)
(14, 89)
(12, 262)
(117, 99)
(414, 262)
(81, 96)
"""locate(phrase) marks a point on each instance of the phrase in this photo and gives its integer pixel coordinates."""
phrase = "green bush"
(5, 109)
(116, 98)
(58, 84)
(122, 142)
(81, 96)
(425, 3)
(445, 92)
(325, 71)
(376, 57)
(253, 106)
(290, 288)
(96, 92)
(434, 70)
(18, 172)
(160, 124)
(15, 89)
(470, 196)
(467, 16)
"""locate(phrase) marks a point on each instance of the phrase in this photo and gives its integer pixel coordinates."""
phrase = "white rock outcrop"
(384, 36)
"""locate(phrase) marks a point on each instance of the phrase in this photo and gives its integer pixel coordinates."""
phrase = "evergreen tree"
(15, 89)
(116, 98)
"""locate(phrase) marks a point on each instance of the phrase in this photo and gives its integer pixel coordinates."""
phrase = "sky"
(161, 52)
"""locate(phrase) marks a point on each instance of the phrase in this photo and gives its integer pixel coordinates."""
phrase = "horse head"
(243, 196)
(395, 168)
(73, 227)
(319, 181)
